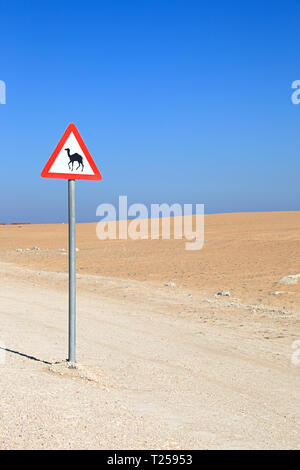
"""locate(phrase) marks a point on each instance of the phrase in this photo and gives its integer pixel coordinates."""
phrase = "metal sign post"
(71, 160)
(72, 272)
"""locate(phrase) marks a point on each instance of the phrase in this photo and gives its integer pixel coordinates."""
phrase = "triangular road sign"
(71, 159)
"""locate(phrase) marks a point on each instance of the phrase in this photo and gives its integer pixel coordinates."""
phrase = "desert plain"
(164, 362)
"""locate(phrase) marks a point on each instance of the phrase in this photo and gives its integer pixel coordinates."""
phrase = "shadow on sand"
(32, 358)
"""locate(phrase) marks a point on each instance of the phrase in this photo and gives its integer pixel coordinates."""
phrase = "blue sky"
(177, 101)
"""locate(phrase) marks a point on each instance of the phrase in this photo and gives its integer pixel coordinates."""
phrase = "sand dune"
(161, 366)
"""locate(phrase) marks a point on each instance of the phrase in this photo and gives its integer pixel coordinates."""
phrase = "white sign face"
(71, 159)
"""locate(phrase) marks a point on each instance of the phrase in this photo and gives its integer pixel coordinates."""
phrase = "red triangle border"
(71, 176)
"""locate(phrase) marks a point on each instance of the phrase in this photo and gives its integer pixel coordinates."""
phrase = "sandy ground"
(159, 366)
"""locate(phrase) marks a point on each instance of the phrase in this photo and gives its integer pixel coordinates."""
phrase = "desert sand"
(163, 362)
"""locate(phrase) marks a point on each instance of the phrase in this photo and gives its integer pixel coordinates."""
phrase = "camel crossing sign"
(71, 159)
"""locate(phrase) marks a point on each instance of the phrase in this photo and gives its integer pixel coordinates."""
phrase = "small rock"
(276, 292)
(19, 250)
(62, 250)
(226, 293)
(291, 279)
(34, 248)
(72, 365)
(170, 284)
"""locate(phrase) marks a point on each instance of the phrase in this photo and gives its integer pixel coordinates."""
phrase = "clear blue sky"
(177, 101)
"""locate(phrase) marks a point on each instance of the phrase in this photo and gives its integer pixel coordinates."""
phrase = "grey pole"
(72, 272)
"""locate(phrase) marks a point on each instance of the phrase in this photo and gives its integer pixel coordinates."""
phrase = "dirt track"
(161, 369)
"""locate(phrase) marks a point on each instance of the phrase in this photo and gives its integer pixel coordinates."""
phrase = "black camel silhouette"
(75, 157)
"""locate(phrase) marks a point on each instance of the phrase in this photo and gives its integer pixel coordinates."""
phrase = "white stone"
(226, 293)
(291, 279)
